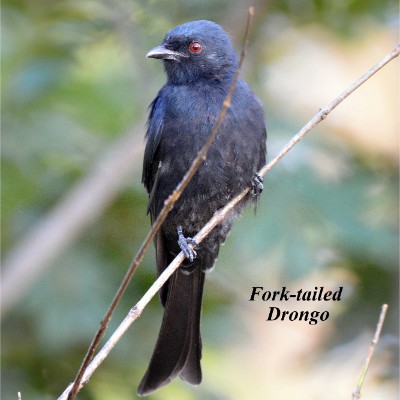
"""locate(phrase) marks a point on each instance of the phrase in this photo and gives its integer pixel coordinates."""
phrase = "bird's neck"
(184, 75)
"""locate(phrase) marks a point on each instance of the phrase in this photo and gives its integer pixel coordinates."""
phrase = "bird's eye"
(195, 47)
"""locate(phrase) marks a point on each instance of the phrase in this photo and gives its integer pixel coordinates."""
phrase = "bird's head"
(198, 50)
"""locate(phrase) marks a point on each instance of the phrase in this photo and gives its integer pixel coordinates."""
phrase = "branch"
(80, 206)
(323, 113)
(168, 205)
(357, 392)
(137, 310)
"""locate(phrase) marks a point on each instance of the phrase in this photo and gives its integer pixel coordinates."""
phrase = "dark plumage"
(200, 64)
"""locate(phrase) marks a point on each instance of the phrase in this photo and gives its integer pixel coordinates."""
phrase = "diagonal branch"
(136, 311)
(168, 205)
(357, 392)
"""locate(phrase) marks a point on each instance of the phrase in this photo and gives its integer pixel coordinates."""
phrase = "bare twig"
(357, 392)
(136, 311)
(323, 113)
(168, 205)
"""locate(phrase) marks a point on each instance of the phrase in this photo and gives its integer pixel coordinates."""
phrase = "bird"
(200, 64)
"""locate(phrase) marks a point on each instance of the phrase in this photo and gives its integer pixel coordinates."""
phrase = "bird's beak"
(163, 53)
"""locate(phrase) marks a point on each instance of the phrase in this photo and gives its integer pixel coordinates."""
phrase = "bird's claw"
(184, 244)
(256, 185)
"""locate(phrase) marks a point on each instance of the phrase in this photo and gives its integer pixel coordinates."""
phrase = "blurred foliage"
(74, 78)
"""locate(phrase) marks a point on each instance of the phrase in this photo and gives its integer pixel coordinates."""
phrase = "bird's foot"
(184, 244)
(256, 185)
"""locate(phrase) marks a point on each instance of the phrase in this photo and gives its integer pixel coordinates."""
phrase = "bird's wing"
(150, 178)
(153, 135)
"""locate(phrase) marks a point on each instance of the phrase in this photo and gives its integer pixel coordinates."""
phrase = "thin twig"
(323, 113)
(357, 392)
(168, 205)
(137, 310)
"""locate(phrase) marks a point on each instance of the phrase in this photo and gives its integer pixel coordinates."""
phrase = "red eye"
(195, 47)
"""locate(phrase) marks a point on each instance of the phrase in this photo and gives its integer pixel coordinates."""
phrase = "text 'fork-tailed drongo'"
(200, 63)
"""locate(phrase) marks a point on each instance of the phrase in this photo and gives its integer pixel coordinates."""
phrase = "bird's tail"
(178, 347)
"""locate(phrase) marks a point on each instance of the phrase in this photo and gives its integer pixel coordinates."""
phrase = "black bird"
(200, 64)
